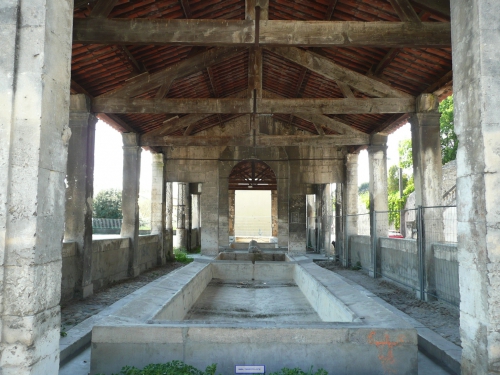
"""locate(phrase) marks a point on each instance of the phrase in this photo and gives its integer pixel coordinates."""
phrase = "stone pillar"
(426, 151)
(168, 238)
(350, 202)
(195, 220)
(297, 226)
(274, 214)
(311, 221)
(158, 204)
(377, 161)
(339, 224)
(476, 87)
(326, 216)
(34, 90)
(428, 177)
(320, 235)
(182, 214)
(80, 180)
(283, 213)
(231, 217)
(130, 198)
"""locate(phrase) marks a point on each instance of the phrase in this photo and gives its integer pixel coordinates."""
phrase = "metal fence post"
(346, 242)
(421, 253)
(374, 243)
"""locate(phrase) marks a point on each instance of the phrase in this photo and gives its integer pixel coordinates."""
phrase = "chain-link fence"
(420, 255)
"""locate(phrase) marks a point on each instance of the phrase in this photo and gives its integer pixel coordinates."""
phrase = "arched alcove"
(252, 175)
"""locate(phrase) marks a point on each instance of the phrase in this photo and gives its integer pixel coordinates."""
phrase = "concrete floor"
(80, 365)
(252, 301)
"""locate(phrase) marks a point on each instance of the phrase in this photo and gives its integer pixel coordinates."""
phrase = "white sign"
(250, 370)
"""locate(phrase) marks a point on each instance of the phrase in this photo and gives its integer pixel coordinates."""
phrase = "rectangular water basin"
(277, 314)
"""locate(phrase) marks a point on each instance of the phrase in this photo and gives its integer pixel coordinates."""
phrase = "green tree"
(108, 204)
(364, 187)
(449, 140)
(405, 154)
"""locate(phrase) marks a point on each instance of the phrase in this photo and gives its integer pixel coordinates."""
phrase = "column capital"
(425, 119)
(131, 140)
(80, 103)
(378, 142)
(427, 103)
(158, 158)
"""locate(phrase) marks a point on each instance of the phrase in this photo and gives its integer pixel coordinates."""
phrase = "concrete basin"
(272, 313)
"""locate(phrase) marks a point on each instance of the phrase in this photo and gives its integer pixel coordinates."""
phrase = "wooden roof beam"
(207, 32)
(405, 11)
(442, 7)
(103, 8)
(259, 140)
(245, 106)
(164, 78)
(328, 69)
(331, 9)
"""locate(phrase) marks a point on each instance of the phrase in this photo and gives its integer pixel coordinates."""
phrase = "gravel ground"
(437, 316)
(76, 311)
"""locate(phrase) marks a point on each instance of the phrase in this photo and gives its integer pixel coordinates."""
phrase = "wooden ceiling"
(252, 175)
(336, 69)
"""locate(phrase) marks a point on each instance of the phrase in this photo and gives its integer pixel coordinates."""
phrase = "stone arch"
(252, 174)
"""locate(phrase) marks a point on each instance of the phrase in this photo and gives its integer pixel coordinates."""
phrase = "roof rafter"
(164, 78)
(333, 71)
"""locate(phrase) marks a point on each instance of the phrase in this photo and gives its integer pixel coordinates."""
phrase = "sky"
(392, 153)
(108, 168)
(108, 164)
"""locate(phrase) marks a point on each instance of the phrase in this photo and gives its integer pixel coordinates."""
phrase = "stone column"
(377, 161)
(130, 198)
(320, 235)
(158, 204)
(311, 221)
(195, 220)
(168, 238)
(283, 213)
(339, 224)
(428, 177)
(34, 90)
(297, 226)
(326, 216)
(80, 180)
(231, 217)
(274, 214)
(350, 202)
(476, 87)
(182, 214)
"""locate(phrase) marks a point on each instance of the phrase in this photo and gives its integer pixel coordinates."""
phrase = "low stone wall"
(110, 262)
(148, 245)
(399, 261)
(360, 251)
(71, 271)
(446, 272)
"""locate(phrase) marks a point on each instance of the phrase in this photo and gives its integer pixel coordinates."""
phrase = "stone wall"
(110, 262)
(359, 251)
(70, 270)
(399, 263)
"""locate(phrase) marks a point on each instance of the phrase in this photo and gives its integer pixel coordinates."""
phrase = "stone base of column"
(168, 240)
(87, 291)
(135, 271)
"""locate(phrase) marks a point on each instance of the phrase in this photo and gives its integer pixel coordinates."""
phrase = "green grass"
(180, 368)
(181, 255)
